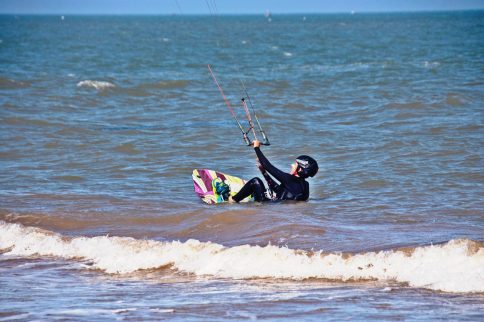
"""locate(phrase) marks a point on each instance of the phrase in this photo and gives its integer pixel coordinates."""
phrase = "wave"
(341, 68)
(405, 106)
(454, 100)
(99, 85)
(146, 89)
(126, 148)
(7, 83)
(431, 64)
(165, 84)
(143, 89)
(21, 121)
(455, 266)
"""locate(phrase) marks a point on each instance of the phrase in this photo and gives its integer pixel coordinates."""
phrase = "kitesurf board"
(202, 181)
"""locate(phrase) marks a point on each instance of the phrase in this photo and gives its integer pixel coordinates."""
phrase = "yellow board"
(202, 181)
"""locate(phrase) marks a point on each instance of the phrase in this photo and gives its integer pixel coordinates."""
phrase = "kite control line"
(247, 113)
(246, 138)
(264, 136)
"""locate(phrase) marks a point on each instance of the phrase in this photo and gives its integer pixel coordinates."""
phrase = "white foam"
(431, 64)
(162, 310)
(457, 266)
(99, 85)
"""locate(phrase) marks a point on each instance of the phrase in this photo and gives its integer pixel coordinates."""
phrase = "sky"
(228, 6)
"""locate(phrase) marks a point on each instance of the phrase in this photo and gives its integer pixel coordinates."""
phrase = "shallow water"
(103, 119)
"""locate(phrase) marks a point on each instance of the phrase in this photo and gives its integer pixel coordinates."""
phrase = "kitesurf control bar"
(247, 112)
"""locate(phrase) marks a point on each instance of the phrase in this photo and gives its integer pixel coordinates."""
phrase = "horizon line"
(236, 14)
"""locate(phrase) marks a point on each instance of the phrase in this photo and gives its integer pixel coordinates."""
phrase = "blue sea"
(104, 118)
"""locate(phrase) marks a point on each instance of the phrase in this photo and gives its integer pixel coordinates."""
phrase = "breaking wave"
(455, 266)
(99, 85)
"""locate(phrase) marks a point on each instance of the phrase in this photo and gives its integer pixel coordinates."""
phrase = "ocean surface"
(103, 119)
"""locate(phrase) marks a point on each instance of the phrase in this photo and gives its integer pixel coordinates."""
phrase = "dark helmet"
(308, 167)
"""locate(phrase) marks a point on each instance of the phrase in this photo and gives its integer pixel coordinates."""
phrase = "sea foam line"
(456, 266)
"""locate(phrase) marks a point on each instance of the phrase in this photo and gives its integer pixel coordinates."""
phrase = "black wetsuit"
(290, 187)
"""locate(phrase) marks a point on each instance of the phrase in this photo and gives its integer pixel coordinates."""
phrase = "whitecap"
(99, 85)
(157, 310)
(431, 64)
(287, 54)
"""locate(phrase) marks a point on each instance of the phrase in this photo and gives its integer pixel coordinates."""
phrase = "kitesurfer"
(292, 185)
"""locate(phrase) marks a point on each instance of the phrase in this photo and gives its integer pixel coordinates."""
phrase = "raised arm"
(275, 172)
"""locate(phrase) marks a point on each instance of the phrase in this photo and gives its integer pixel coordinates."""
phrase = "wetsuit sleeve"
(275, 172)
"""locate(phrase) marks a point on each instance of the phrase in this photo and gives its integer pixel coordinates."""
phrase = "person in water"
(292, 186)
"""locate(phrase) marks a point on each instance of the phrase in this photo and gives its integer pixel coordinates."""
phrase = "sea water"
(103, 119)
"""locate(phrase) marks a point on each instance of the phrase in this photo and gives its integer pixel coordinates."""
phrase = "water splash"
(456, 266)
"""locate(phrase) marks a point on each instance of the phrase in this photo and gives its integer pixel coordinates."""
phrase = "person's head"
(305, 166)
